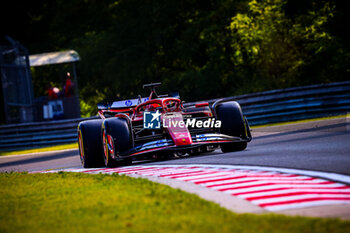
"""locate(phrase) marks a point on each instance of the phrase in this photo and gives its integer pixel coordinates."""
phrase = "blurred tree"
(183, 44)
(204, 49)
(279, 49)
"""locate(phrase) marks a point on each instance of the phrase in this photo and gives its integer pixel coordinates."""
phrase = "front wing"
(168, 145)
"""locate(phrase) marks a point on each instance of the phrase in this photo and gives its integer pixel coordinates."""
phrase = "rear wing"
(121, 104)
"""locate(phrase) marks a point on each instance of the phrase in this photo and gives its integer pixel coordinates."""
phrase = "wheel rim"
(81, 147)
(110, 146)
(105, 147)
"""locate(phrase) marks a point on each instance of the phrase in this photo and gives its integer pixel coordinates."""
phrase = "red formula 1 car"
(160, 126)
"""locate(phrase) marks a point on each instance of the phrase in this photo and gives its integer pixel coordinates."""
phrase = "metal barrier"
(294, 103)
(260, 108)
(39, 134)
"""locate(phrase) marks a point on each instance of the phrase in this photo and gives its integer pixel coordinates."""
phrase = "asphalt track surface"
(318, 145)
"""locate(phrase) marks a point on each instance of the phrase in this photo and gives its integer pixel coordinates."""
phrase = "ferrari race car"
(160, 126)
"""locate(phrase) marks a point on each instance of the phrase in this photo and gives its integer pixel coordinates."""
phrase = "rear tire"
(90, 146)
(116, 138)
(233, 124)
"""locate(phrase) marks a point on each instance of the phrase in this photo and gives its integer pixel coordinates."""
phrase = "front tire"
(233, 123)
(116, 138)
(90, 146)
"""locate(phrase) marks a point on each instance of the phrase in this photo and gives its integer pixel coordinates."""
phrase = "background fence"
(260, 108)
(294, 103)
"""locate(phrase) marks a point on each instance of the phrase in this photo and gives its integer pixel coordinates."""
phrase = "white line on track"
(270, 188)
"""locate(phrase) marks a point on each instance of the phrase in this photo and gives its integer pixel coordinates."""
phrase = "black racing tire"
(233, 124)
(89, 141)
(116, 138)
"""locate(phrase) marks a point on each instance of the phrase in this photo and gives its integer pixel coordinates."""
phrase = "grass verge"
(39, 150)
(302, 121)
(76, 202)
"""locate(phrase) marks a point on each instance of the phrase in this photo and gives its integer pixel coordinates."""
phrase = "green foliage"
(203, 49)
(75, 202)
(277, 48)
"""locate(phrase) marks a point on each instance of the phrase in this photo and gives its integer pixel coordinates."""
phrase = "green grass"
(76, 202)
(39, 150)
(302, 121)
